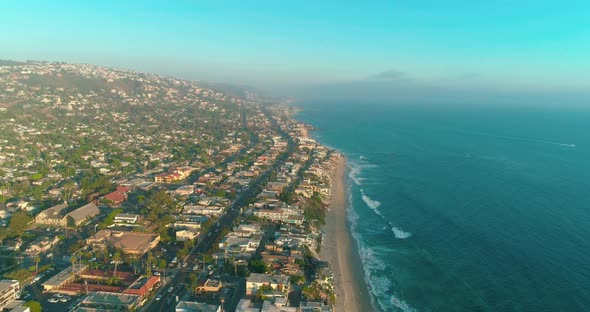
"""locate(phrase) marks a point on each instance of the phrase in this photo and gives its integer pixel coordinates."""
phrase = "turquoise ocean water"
(466, 209)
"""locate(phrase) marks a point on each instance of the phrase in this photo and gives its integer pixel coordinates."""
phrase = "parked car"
(158, 297)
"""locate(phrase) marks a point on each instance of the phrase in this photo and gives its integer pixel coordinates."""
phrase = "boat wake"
(509, 138)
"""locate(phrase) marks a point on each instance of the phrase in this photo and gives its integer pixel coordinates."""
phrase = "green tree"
(117, 259)
(19, 222)
(162, 264)
(34, 306)
(150, 261)
(257, 266)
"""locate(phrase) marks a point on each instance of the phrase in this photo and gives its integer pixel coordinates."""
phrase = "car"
(184, 265)
(52, 300)
(157, 273)
(170, 289)
(196, 267)
(158, 297)
(64, 299)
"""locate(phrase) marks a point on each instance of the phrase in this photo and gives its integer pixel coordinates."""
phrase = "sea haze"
(461, 208)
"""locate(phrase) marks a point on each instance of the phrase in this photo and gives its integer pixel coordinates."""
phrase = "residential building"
(277, 282)
(9, 291)
(126, 218)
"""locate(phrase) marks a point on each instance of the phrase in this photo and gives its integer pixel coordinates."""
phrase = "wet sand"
(340, 249)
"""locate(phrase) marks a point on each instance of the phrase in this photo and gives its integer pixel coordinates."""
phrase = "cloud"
(390, 74)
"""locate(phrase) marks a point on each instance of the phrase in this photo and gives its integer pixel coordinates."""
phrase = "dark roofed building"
(80, 215)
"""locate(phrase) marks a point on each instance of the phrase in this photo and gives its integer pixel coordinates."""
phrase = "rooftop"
(110, 299)
(187, 306)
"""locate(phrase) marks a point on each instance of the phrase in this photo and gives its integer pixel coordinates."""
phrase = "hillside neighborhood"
(125, 191)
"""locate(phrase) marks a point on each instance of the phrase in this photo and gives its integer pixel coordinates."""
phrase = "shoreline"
(340, 250)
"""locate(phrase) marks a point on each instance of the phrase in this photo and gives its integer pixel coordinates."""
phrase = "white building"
(9, 291)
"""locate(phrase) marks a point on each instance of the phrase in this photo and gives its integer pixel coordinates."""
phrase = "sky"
(533, 45)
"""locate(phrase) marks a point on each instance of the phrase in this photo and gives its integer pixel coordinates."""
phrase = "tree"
(37, 260)
(150, 261)
(162, 264)
(34, 306)
(117, 258)
(257, 266)
(19, 222)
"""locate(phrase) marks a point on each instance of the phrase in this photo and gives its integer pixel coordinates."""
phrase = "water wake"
(509, 138)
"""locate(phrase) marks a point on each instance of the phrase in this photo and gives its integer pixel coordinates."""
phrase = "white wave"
(399, 233)
(373, 267)
(402, 305)
(380, 286)
(355, 170)
(373, 204)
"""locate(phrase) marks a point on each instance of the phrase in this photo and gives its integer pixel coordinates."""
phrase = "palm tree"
(37, 260)
(116, 259)
(150, 261)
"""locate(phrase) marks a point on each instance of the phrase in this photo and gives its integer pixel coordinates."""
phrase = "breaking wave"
(399, 233)
(373, 204)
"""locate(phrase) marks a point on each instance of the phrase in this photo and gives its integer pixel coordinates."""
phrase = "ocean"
(466, 208)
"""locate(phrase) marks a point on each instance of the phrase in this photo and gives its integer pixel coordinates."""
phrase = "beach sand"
(340, 250)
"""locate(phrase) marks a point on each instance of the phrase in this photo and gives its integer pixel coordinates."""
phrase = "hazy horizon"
(461, 47)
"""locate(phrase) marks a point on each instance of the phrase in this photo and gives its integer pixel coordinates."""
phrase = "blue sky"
(526, 44)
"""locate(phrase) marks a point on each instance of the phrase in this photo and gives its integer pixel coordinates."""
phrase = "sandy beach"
(339, 249)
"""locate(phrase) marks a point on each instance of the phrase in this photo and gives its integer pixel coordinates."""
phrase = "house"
(43, 245)
(126, 218)
(184, 235)
(211, 285)
(185, 190)
(174, 175)
(118, 196)
(276, 282)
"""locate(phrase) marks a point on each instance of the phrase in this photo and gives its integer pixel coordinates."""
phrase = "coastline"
(339, 249)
